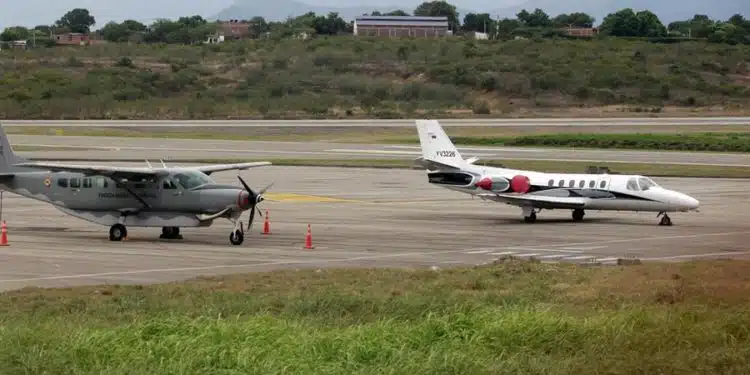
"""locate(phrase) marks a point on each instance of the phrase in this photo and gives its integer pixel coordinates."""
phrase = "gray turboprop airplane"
(129, 196)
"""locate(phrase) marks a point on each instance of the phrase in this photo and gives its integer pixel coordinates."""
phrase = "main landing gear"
(665, 220)
(529, 214)
(170, 233)
(117, 232)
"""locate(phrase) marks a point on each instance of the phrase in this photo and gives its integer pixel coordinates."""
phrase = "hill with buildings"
(348, 77)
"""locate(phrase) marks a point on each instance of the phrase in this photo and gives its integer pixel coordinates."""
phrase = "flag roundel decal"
(47, 182)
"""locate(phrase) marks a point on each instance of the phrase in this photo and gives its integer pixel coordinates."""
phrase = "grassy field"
(509, 318)
(347, 77)
(716, 141)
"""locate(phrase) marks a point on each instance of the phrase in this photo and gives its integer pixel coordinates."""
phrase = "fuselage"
(600, 191)
(186, 191)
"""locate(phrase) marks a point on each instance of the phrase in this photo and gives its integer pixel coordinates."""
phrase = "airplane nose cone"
(688, 202)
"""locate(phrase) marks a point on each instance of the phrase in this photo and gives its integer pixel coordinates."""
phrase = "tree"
(482, 23)
(14, 33)
(536, 19)
(700, 26)
(258, 26)
(122, 32)
(649, 25)
(439, 8)
(622, 23)
(577, 19)
(77, 20)
(330, 25)
(397, 12)
(505, 27)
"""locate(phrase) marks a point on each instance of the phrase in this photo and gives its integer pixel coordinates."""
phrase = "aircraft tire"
(578, 214)
(531, 218)
(236, 238)
(117, 232)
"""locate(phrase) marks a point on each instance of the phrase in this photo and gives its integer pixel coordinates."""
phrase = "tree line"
(195, 29)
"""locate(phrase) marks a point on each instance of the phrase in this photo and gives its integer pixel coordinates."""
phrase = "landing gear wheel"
(578, 214)
(236, 237)
(665, 220)
(531, 218)
(171, 233)
(117, 232)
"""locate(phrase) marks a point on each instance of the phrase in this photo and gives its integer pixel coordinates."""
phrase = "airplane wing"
(102, 170)
(537, 201)
(208, 169)
(131, 173)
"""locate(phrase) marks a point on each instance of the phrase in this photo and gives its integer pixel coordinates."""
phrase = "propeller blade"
(250, 220)
(246, 187)
(266, 188)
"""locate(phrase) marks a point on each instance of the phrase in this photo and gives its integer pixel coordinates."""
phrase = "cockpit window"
(632, 184)
(191, 179)
(646, 183)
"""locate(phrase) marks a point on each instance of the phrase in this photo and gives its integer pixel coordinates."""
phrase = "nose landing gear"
(665, 220)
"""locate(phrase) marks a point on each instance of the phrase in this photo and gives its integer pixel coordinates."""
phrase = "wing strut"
(136, 196)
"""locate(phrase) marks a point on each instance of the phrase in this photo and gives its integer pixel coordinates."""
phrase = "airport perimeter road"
(127, 149)
(674, 121)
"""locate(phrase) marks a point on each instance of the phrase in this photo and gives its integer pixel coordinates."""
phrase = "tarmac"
(364, 218)
(136, 149)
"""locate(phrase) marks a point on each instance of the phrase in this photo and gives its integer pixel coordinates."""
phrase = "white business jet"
(534, 191)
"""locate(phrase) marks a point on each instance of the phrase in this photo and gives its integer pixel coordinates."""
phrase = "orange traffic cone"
(4, 235)
(308, 238)
(266, 225)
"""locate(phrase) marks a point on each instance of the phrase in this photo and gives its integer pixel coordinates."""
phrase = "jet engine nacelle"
(494, 184)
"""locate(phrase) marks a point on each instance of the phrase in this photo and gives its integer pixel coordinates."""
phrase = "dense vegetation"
(348, 76)
(717, 142)
(510, 318)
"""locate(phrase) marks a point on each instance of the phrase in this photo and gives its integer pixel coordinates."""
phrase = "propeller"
(254, 199)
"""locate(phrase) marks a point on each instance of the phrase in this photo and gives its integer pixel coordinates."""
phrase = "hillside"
(349, 77)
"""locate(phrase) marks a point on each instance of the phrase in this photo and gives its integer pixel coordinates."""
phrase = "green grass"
(508, 318)
(735, 141)
(350, 77)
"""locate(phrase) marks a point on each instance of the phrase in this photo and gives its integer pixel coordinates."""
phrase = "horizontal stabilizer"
(433, 165)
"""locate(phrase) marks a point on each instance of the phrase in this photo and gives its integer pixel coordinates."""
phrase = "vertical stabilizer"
(7, 156)
(436, 146)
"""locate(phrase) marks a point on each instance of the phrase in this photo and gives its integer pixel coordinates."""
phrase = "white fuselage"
(599, 191)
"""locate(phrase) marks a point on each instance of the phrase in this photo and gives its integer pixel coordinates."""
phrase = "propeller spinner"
(253, 199)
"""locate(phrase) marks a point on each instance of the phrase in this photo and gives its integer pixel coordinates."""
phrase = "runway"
(503, 122)
(364, 218)
(137, 149)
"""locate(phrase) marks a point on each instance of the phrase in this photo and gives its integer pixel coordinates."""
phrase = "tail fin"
(7, 157)
(437, 148)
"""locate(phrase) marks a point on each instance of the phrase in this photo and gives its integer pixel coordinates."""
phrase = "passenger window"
(87, 182)
(603, 184)
(62, 182)
(551, 182)
(561, 183)
(101, 182)
(75, 183)
(581, 184)
(572, 183)
(592, 183)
